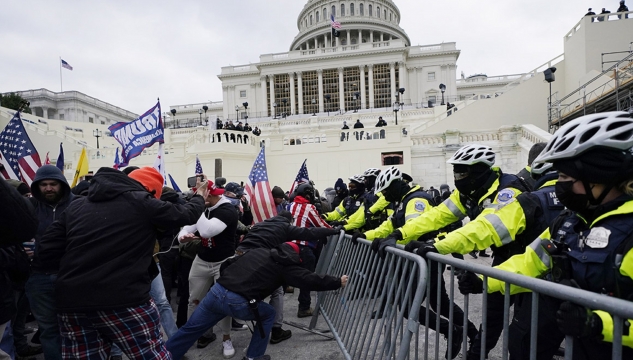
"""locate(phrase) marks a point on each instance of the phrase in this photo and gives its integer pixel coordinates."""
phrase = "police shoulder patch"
(505, 196)
(419, 206)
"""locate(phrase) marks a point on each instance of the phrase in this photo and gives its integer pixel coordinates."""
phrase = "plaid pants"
(134, 330)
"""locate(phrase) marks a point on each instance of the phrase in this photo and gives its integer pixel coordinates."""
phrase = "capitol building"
(300, 99)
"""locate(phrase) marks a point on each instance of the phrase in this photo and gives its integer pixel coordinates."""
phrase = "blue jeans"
(6, 341)
(40, 289)
(216, 305)
(167, 321)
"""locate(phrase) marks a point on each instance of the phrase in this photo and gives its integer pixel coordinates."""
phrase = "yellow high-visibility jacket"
(413, 209)
(537, 262)
(357, 219)
(452, 210)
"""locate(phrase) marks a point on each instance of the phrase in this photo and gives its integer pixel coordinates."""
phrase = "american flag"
(198, 167)
(302, 177)
(17, 153)
(335, 24)
(117, 160)
(66, 65)
(258, 189)
(159, 163)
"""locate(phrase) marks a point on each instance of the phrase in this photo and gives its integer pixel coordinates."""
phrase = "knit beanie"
(294, 246)
(150, 178)
(286, 214)
(599, 166)
(278, 193)
(340, 185)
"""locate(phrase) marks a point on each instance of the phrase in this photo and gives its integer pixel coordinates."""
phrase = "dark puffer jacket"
(18, 222)
(277, 230)
(256, 274)
(103, 243)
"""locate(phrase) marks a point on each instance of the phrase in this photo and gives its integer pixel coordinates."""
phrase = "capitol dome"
(361, 22)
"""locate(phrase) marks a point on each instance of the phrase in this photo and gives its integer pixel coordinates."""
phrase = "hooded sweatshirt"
(103, 243)
(278, 230)
(47, 212)
(256, 274)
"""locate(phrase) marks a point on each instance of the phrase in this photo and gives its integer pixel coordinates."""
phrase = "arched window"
(342, 9)
(370, 11)
(310, 19)
(390, 16)
(324, 14)
(317, 16)
(362, 10)
(351, 9)
(333, 12)
(378, 11)
(385, 15)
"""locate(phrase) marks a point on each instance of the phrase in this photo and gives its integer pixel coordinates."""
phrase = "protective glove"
(576, 320)
(357, 234)
(337, 223)
(338, 228)
(413, 246)
(469, 283)
(379, 245)
(427, 247)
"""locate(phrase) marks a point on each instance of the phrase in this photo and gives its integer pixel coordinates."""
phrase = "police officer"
(350, 204)
(593, 238)
(481, 188)
(374, 210)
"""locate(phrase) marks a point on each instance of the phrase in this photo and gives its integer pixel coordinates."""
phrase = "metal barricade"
(620, 310)
(376, 315)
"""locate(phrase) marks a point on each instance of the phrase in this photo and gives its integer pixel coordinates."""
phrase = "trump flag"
(139, 134)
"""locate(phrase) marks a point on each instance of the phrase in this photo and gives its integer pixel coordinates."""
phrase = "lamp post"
(206, 119)
(97, 133)
(327, 98)
(237, 113)
(274, 110)
(550, 78)
(313, 106)
(356, 98)
(442, 89)
(245, 104)
(173, 116)
(398, 104)
(200, 113)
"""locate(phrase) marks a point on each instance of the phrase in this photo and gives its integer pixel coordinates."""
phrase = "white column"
(263, 108)
(316, 43)
(415, 96)
(392, 69)
(360, 37)
(370, 75)
(291, 77)
(320, 97)
(402, 76)
(349, 39)
(300, 90)
(371, 36)
(45, 112)
(341, 89)
(253, 97)
(271, 79)
(362, 87)
(382, 37)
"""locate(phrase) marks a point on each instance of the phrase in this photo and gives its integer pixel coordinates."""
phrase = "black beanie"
(286, 214)
(599, 166)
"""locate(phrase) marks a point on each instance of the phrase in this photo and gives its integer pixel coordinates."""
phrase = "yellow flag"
(82, 167)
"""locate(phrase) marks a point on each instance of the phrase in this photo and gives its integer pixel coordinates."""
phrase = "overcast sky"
(128, 53)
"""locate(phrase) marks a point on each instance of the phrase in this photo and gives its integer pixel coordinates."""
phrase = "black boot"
(457, 342)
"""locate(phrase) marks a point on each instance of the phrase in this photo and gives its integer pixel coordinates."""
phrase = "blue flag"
(60, 158)
(173, 184)
(139, 134)
(117, 161)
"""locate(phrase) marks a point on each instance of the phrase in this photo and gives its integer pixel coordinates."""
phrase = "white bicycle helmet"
(612, 130)
(386, 178)
(473, 154)
(540, 168)
(371, 172)
(357, 178)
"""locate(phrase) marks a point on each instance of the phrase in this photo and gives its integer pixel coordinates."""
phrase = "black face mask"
(571, 200)
(358, 190)
(470, 184)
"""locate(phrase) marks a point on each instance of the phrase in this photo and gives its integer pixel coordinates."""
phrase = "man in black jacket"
(269, 234)
(250, 278)
(51, 196)
(18, 222)
(103, 245)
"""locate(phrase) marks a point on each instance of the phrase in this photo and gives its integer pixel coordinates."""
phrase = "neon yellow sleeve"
(337, 213)
(415, 209)
(436, 218)
(379, 205)
(381, 231)
(492, 227)
(356, 220)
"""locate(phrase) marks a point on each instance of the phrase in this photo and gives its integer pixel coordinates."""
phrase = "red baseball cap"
(214, 190)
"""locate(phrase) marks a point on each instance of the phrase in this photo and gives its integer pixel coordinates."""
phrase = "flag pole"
(61, 86)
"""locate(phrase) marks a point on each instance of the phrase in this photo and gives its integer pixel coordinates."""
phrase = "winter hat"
(22, 188)
(278, 193)
(340, 185)
(213, 189)
(294, 246)
(285, 214)
(599, 166)
(150, 178)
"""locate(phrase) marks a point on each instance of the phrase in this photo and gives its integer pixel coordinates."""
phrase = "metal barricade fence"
(620, 310)
(376, 315)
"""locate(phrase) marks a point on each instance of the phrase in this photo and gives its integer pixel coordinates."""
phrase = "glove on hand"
(577, 320)
(469, 283)
(357, 234)
(379, 245)
(427, 247)
(337, 223)
(413, 246)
